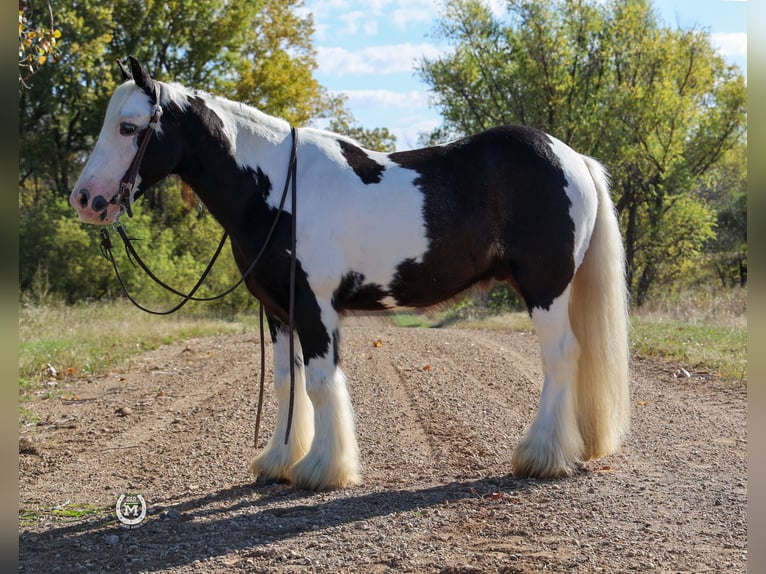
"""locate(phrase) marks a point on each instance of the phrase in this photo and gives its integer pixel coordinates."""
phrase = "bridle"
(123, 199)
(128, 181)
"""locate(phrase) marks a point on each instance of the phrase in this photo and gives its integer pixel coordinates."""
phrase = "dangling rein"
(124, 196)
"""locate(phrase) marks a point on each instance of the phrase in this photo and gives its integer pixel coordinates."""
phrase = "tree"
(657, 105)
(378, 139)
(258, 52)
(725, 187)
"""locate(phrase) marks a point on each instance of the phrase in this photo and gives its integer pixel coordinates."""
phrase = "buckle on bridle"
(106, 243)
(126, 190)
(156, 115)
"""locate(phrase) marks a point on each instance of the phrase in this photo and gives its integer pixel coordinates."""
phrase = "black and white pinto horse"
(378, 231)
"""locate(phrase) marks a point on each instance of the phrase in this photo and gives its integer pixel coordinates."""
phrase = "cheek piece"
(128, 182)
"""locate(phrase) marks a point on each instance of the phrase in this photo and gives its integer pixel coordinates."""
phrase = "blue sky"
(366, 50)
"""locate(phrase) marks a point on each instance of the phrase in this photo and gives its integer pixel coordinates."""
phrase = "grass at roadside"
(88, 339)
(715, 349)
(74, 512)
(695, 344)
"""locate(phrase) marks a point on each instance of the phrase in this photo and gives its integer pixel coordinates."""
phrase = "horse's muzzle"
(94, 209)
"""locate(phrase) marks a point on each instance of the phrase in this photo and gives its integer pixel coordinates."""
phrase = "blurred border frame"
(756, 232)
(9, 289)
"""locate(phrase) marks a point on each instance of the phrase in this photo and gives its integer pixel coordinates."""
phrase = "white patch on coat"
(582, 192)
(372, 227)
(256, 139)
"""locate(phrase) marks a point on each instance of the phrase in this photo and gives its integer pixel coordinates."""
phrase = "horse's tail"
(598, 312)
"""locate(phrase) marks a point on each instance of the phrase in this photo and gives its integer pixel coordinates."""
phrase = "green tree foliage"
(257, 52)
(377, 139)
(726, 188)
(657, 105)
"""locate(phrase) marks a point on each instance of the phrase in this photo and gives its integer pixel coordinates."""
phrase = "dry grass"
(91, 338)
(703, 329)
(704, 305)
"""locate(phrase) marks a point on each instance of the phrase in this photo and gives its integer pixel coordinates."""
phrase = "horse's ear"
(126, 75)
(142, 79)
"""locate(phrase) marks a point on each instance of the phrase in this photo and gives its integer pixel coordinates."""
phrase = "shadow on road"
(242, 518)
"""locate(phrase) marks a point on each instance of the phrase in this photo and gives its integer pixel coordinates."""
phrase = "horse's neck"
(258, 142)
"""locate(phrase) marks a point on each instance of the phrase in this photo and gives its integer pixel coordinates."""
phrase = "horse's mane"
(175, 94)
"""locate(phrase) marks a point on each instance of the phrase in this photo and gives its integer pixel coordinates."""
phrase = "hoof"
(533, 461)
(311, 473)
(269, 470)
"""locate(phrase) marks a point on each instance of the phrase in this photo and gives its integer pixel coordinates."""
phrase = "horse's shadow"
(229, 520)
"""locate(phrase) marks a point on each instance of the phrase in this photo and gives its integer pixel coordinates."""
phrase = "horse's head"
(116, 172)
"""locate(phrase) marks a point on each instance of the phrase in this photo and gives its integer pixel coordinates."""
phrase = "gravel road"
(438, 412)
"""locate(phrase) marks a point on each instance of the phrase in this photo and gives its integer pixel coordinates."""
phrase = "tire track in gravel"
(471, 433)
(462, 450)
(386, 413)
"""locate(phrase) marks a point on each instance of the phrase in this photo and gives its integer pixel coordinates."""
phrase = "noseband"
(128, 182)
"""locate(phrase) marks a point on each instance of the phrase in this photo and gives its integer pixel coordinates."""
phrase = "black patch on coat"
(193, 145)
(368, 170)
(353, 293)
(336, 347)
(262, 181)
(495, 206)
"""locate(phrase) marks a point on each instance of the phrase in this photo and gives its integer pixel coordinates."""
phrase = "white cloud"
(408, 130)
(403, 17)
(385, 98)
(405, 114)
(498, 8)
(373, 59)
(370, 27)
(377, 13)
(356, 20)
(731, 44)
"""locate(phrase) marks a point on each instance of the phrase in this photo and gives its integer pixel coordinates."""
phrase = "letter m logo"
(131, 509)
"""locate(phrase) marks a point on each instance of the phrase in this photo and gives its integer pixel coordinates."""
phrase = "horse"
(381, 231)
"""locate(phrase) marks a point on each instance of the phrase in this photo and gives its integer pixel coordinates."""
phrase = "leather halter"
(128, 182)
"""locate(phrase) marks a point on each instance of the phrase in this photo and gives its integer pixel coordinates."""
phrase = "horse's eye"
(127, 129)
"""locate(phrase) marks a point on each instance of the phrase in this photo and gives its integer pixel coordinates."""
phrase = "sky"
(367, 49)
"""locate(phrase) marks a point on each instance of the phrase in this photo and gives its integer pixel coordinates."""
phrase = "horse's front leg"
(275, 462)
(333, 460)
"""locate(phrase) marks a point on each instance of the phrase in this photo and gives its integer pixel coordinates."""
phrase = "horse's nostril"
(84, 196)
(99, 203)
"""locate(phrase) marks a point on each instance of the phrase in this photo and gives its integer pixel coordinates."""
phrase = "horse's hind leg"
(275, 462)
(553, 445)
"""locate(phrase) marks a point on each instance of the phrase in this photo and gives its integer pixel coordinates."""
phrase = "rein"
(124, 197)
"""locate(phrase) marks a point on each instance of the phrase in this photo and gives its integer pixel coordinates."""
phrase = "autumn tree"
(38, 36)
(725, 187)
(657, 105)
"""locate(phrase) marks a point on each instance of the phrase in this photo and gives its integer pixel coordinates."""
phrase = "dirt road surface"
(438, 412)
